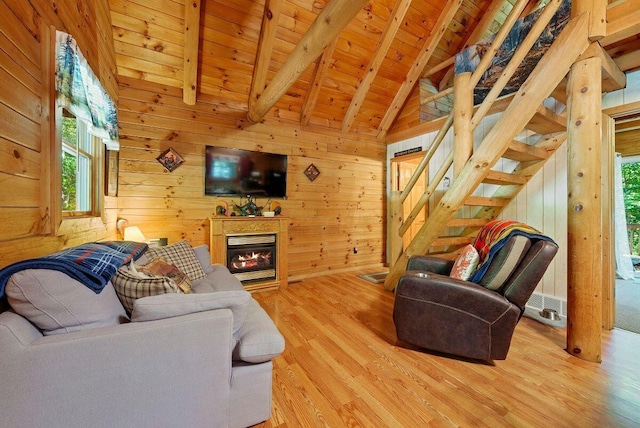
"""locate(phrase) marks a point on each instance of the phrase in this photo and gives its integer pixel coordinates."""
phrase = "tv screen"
(237, 172)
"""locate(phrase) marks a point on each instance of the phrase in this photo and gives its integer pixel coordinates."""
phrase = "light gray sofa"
(187, 365)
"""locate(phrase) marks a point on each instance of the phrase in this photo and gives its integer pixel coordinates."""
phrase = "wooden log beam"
(191, 42)
(597, 10)
(551, 69)
(329, 23)
(584, 219)
(608, 224)
(462, 113)
(379, 53)
(413, 76)
(316, 83)
(613, 78)
(265, 48)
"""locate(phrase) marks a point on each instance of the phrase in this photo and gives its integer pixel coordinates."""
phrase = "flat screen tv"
(237, 172)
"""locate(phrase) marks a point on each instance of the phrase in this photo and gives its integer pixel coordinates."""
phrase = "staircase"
(523, 111)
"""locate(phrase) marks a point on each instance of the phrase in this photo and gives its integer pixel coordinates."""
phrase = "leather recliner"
(440, 313)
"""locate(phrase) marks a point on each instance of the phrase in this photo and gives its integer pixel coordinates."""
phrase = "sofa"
(74, 357)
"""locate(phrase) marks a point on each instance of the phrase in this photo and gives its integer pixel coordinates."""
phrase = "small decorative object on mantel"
(170, 159)
(312, 172)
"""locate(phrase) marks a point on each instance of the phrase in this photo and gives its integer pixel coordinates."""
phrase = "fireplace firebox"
(252, 257)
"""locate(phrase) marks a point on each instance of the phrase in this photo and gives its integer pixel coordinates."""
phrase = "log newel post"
(584, 218)
(462, 113)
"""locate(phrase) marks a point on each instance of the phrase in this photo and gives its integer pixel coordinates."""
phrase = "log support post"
(462, 114)
(584, 218)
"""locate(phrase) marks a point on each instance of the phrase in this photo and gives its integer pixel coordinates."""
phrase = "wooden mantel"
(222, 227)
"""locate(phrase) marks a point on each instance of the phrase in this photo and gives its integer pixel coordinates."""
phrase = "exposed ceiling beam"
(379, 53)
(413, 76)
(623, 20)
(191, 40)
(613, 78)
(265, 48)
(329, 23)
(316, 83)
(597, 16)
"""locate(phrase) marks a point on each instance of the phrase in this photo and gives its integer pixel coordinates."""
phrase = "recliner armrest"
(430, 264)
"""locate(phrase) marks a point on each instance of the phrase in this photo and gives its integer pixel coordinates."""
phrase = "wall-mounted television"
(237, 172)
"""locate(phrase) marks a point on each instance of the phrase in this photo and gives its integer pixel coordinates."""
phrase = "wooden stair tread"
(522, 152)
(504, 178)
(546, 121)
(468, 222)
(447, 241)
(487, 202)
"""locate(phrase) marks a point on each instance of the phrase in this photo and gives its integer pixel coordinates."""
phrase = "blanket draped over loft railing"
(79, 91)
(93, 264)
(493, 236)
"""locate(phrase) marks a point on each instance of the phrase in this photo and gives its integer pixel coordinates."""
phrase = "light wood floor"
(343, 366)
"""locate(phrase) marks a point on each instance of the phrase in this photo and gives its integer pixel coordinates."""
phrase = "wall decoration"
(312, 172)
(170, 159)
(111, 172)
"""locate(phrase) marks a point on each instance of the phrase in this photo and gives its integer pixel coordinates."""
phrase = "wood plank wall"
(24, 117)
(342, 209)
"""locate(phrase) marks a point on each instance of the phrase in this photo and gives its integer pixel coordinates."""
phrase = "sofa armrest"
(430, 264)
(259, 339)
(134, 374)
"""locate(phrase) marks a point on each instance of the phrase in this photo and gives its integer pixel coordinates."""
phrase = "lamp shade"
(133, 233)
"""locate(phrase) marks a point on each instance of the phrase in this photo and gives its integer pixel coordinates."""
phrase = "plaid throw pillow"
(182, 255)
(131, 286)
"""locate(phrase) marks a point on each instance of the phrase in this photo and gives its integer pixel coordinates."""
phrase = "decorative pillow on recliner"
(174, 305)
(56, 303)
(182, 255)
(131, 285)
(504, 262)
(465, 263)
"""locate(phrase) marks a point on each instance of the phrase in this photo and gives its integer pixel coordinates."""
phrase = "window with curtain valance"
(80, 92)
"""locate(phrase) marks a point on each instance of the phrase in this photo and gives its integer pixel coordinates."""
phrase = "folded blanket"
(493, 236)
(92, 264)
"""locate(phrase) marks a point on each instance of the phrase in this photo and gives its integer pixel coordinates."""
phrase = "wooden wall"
(342, 209)
(25, 119)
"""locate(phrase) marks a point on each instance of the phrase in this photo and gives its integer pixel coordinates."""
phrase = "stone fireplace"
(254, 249)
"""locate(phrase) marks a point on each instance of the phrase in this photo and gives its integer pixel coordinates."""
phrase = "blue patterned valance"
(79, 91)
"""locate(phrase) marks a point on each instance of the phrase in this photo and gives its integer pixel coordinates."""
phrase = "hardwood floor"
(343, 366)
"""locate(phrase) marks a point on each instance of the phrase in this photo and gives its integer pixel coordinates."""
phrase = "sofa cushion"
(182, 255)
(465, 263)
(175, 305)
(161, 267)
(56, 303)
(219, 279)
(204, 257)
(130, 285)
(259, 338)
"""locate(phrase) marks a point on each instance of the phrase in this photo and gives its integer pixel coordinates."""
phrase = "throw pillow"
(465, 263)
(161, 267)
(174, 305)
(182, 255)
(131, 286)
(56, 303)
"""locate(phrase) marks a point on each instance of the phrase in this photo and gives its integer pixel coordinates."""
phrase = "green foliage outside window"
(631, 191)
(69, 167)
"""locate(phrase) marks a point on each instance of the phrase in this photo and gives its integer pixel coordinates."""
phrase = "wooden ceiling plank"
(379, 54)
(316, 83)
(191, 39)
(265, 48)
(623, 21)
(418, 66)
(330, 22)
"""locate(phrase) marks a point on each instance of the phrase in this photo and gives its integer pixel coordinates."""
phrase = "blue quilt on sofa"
(92, 264)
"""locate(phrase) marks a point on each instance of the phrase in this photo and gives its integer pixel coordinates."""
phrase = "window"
(80, 168)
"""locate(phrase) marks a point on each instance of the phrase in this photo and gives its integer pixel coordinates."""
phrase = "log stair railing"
(524, 111)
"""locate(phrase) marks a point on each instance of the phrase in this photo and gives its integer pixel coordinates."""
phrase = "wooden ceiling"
(357, 82)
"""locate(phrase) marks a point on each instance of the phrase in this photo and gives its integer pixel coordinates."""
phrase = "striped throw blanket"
(493, 236)
(92, 264)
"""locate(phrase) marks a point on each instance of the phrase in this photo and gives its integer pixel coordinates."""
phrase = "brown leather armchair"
(463, 318)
